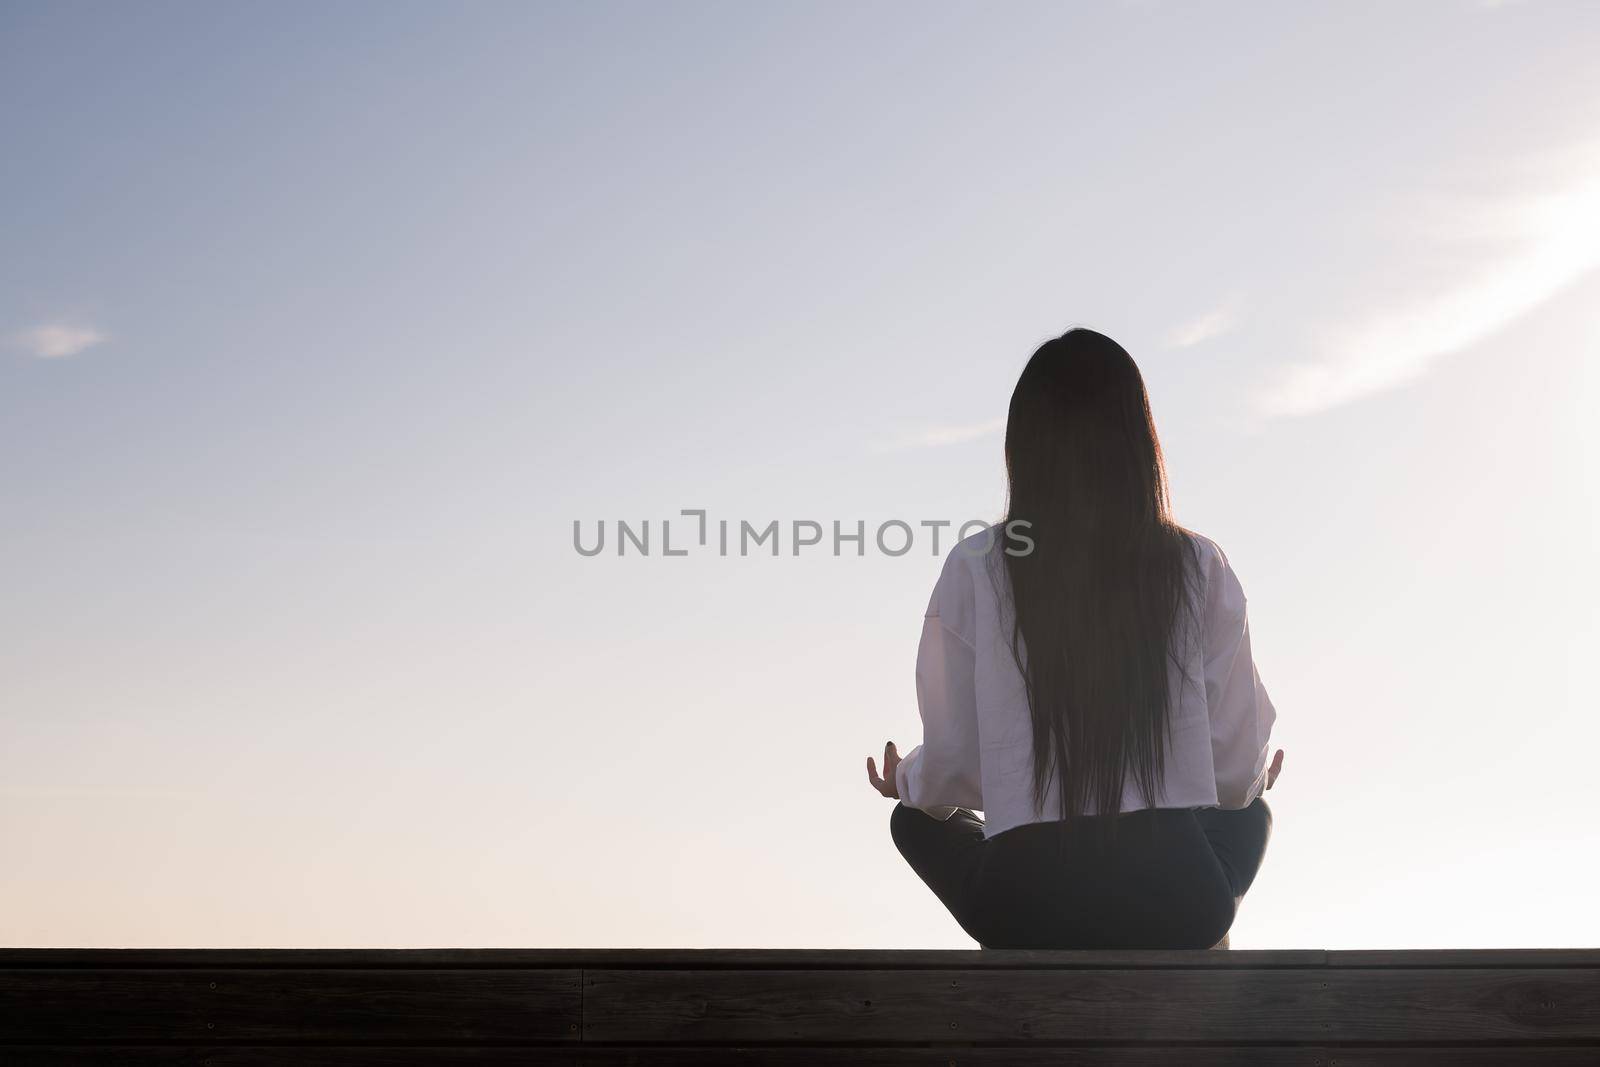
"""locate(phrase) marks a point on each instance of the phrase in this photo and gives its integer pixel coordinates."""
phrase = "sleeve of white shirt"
(1241, 713)
(942, 773)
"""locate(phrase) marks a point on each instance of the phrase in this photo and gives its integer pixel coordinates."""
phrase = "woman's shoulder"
(968, 567)
(1218, 580)
(978, 545)
(976, 555)
(1207, 552)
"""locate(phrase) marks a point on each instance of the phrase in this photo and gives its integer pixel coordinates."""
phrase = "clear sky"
(320, 326)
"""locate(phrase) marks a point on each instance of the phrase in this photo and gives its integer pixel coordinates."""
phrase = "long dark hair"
(1098, 599)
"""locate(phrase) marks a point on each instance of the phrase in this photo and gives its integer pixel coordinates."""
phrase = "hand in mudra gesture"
(885, 785)
(1277, 765)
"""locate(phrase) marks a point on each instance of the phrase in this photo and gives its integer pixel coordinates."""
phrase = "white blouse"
(977, 747)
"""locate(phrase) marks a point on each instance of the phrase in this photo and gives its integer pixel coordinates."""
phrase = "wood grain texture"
(444, 1007)
(1543, 1056)
(749, 1056)
(907, 1006)
(285, 1056)
(1476, 1005)
(364, 1007)
(1414, 959)
(1312, 1005)
(1147, 1056)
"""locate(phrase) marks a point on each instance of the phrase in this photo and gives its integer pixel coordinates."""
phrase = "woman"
(1085, 680)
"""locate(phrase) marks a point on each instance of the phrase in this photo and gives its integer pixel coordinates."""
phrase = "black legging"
(1170, 878)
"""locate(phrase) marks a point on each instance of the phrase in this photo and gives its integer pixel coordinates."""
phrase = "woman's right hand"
(1272, 771)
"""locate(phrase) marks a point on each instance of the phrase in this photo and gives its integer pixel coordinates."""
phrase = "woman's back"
(977, 750)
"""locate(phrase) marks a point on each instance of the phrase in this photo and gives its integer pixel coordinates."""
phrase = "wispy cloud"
(1541, 240)
(939, 436)
(1212, 324)
(58, 340)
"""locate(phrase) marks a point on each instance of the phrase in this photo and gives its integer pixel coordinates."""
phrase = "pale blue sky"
(320, 326)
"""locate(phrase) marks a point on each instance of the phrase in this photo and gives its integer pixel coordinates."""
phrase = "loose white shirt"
(977, 746)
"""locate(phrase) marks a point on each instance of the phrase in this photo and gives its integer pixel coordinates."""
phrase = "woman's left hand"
(885, 785)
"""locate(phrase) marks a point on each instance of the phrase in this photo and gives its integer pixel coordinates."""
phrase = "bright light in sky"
(319, 328)
(1547, 241)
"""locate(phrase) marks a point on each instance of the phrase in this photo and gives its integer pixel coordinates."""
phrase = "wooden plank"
(959, 1057)
(723, 1056)
(443, 1007)
(642, 959)
(279, 1055)
(781, 959)
(1559, 1005)
(1031, 1000)
(1147, 1056)
(1435, 1005)
(1465, 957)
(1529, 1055)
(914, 1006)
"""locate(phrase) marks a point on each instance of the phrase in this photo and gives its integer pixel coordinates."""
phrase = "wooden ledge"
(481, 1006)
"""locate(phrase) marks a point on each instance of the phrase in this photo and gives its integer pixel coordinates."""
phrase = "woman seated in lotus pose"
(1085, 681)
